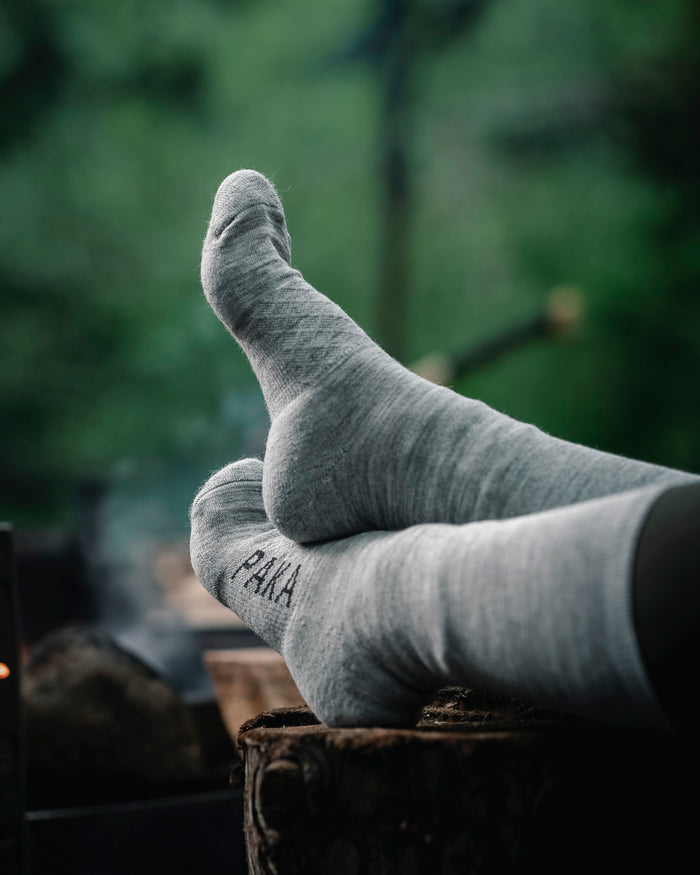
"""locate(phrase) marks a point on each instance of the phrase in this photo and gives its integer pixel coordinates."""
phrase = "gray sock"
(358, 442)
(538, 607)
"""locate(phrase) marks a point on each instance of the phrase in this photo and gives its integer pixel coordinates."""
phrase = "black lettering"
(249, 563)
(269, 588)
(289, 587)
(259, 576)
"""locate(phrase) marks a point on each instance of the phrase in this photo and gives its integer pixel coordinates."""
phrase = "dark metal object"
(181, 835)
(54, 583)
(12, 779)
(197, 832)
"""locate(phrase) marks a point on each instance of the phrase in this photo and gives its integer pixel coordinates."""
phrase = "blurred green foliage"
(550, 143)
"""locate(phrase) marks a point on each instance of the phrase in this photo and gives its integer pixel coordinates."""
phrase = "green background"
(548, 143)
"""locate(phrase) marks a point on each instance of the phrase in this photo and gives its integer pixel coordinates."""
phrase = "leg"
(358, 442)
(538, 607)
(667, 600)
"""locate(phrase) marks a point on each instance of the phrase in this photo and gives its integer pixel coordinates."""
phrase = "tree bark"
(497, 792)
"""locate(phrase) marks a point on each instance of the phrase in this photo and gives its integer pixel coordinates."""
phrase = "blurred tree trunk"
(396, 200)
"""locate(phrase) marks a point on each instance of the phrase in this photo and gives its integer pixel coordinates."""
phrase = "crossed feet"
(350, 553)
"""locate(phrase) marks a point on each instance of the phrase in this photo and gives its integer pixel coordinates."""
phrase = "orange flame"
(4, 671)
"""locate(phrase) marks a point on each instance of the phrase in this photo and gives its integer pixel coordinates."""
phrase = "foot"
(535, 607)
(308, 603)
(357, 442)
(336, 400)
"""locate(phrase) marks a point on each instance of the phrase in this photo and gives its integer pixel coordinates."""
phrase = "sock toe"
(245, 469)
(247, 249)
(239, 192)
(244, 475)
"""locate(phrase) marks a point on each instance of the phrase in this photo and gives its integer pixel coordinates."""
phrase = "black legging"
(666, 596)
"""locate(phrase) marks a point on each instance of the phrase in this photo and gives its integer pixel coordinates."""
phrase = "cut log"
(509, 789)
(248, 681)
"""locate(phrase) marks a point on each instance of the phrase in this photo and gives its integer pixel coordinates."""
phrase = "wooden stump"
(499, 792)
(248, 681)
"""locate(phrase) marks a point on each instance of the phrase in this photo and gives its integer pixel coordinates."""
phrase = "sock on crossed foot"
(537, 607)
(357, 442)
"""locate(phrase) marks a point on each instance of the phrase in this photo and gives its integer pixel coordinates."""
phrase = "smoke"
(143, 510)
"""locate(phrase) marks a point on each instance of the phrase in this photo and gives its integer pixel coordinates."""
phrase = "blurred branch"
(559, 319)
